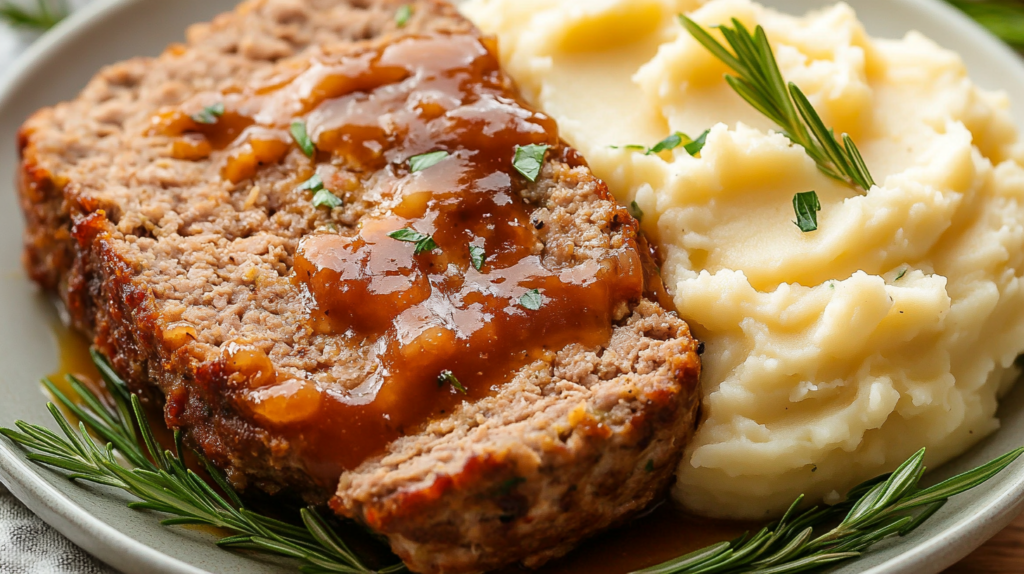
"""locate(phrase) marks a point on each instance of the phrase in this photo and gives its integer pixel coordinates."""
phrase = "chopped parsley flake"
(423, 242)
(806, 206)
(671, 142)
(312, 184)
(477, 256)
(529, 159)
(298, 129)
(209, 114)
(425, 160)
(902, 273)
(694, 147)
(324, 198)
(446, 376)
(531, 300)
(402, 15)
(635, 211)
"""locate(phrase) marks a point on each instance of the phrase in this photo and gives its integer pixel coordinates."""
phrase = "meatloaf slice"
(569, 448)
(182, 267)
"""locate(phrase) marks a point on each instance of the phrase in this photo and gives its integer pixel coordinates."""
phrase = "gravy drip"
(419, 315)
(660, 534)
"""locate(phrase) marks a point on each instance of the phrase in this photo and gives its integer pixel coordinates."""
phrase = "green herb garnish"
(889, 505)
(669, 143)
(164, 484)
(531, 300)
(209, 114)
(806, 206)
(1004, 18)
(902, 273)
(314, 183)
(886, 506)
(477, 256)
(446, 376)
(529, 159)
(46, 15)
(759, 82)
(676, 139)
(402, 15)
(301, 137)
(425, 160)
(324, 198)
(694, 147)
(423, 242)
(635, 211)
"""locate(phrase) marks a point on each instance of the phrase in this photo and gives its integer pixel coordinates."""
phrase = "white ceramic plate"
(97, 519)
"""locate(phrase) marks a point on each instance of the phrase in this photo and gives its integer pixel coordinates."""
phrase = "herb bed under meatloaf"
(167, 266)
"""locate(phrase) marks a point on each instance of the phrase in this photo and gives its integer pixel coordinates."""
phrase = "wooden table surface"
(1004, 554)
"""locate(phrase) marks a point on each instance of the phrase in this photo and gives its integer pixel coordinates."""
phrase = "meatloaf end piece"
(167, 266)
(162, 262)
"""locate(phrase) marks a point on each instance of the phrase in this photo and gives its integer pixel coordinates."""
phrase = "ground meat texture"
(167, 265)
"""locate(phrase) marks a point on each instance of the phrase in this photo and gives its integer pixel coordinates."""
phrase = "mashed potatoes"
(831, 355)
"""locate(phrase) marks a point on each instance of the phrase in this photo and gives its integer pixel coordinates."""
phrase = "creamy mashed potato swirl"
(831, 355)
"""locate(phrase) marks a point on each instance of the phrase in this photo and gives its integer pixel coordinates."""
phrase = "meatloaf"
(497, 380)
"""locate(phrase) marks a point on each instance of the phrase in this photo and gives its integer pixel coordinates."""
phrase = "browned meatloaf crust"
(164, 264)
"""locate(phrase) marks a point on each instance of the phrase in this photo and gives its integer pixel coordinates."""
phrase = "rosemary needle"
(46, 15)
(1004, 18)
(889, 505)
(883, 507)
(165, 485)
(759, 82)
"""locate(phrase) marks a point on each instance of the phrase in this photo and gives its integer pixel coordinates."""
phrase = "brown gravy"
(662, 534)
(431, 311)
(439, 326)
(75, 360)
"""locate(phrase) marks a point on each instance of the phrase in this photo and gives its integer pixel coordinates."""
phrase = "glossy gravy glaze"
(661, 534)
(439, 327)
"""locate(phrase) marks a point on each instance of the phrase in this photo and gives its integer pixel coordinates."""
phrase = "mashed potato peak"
(831, 355)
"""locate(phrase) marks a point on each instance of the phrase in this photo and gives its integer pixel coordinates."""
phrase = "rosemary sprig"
(45, 16)
(1003, 18)
(889, 505)
(886, 506)
(163, 483)
(759, 82)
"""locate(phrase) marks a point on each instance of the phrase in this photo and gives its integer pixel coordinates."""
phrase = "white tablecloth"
(29, 546)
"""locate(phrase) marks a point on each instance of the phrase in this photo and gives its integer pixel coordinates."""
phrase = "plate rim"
(129, 554)
(22, 479)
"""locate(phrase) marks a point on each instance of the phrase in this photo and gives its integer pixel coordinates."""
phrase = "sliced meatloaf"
(184, 272)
